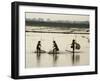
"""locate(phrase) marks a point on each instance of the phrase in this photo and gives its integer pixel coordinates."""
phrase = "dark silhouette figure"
(73, 50)
(73, 46)
(55, 47)
(38, 48)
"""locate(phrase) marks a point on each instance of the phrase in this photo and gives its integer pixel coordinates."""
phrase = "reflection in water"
(64, 58)
(75, 59)
(38, 58)
(55, 57)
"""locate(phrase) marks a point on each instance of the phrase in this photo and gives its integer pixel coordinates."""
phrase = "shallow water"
(65, 58)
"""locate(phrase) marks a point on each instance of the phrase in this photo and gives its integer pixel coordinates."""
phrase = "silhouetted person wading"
(38, 47)
(74, 46)
(55, 47)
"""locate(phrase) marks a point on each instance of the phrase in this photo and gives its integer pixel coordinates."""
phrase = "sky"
(54, 17)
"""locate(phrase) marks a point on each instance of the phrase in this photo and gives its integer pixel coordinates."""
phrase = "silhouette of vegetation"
(41, 22)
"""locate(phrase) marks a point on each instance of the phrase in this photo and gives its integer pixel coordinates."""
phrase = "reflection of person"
(77, 58)
(55, 57)
(38, 47)
(55, 47)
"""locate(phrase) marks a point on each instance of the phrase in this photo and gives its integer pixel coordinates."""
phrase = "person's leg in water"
(54, 51)
(38, 52)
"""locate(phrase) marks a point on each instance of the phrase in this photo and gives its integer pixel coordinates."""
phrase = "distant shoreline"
(56, 32)
(68, 24)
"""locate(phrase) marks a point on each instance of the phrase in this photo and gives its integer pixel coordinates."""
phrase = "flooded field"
(65, 56)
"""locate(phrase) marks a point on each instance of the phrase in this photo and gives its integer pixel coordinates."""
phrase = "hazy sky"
(69, 17)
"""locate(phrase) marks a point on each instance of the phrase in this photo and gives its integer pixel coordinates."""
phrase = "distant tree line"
(84, 24)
